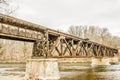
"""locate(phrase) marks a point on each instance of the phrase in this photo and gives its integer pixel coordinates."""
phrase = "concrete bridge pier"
(42, 69)
(97, 61)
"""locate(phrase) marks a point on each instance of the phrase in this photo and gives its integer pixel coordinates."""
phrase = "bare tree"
(6, 8)
(3, 1)
(76, 30)
(96, 34)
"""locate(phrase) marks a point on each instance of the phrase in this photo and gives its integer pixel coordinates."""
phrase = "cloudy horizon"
(61, 14)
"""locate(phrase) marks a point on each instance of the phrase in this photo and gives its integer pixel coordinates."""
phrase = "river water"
(68, 71)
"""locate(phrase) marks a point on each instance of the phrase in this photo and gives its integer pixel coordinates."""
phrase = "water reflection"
(12, 69)
(70, 71)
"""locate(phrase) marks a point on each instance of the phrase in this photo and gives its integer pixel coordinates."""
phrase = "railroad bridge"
(50, 43)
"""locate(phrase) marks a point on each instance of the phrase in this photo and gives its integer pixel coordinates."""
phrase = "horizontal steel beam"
(20, 23)
(4, 19)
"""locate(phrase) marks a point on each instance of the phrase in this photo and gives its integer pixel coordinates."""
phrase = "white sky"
(60, 14)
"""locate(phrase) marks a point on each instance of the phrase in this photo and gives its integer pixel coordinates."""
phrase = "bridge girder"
(51, 43)
(59, 45)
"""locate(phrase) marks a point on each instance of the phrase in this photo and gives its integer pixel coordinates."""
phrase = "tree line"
(95, 34)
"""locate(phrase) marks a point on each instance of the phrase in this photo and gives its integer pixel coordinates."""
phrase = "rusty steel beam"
(52, 43)
(28, 25)
(57, 33)
(16, 33)
(20, 23)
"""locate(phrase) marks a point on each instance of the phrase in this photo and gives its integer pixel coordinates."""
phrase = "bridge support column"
(96, 61)
(114, 60)
(42, 69)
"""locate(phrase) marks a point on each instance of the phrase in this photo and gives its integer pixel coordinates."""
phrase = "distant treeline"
(96, 34)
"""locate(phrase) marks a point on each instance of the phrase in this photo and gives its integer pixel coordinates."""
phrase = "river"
(68, 71)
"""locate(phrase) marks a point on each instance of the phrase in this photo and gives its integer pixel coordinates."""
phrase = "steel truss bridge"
(49, 43)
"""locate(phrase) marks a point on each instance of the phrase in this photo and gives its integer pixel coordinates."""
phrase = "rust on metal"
(51, 43)
(20, 23)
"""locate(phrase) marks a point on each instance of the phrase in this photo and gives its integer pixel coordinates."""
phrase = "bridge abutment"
(97, 61)
(42, 69)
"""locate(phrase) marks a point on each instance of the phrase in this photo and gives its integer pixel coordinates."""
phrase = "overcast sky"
(60, 14)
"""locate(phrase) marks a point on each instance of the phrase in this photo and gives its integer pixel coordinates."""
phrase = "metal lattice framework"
(51, 43)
